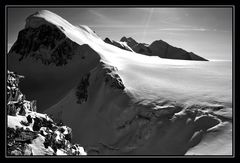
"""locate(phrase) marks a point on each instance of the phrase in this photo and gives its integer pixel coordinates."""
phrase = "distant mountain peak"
(162, 49)
(130, 41)
(121, 44)
(127, 38)
(161, 41)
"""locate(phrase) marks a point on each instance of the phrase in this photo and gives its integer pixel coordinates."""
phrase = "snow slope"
(129, 103)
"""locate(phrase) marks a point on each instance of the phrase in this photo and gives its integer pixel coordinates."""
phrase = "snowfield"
(129, 103)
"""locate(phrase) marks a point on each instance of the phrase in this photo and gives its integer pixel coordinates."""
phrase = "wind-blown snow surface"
(148, 105)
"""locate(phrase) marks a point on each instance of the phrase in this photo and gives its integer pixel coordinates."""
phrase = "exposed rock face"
(118, 44)
(82, 93)
(130, 41)
(104, 71)
(110, 76)
(162, 49)
(107, 72)
(142, 48)
(45, 43)
(32, 133)
(16, 100)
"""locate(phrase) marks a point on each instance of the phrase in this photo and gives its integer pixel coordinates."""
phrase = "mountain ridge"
(161, 49)
(118, 102)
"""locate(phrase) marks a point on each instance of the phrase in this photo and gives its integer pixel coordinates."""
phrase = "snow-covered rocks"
(78, 150)
(109, 74)
(32, 133)
(103, 71)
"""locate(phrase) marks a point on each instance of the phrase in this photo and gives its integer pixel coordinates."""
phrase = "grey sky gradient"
(204, 31)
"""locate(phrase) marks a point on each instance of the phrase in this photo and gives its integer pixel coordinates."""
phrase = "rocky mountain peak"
(130, 41)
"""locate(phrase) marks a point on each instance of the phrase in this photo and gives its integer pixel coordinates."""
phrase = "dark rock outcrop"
(114, 80)
(110, 76)
(164, 50)
(82, 93)
(130, 41)
(46, 43)
(103, 72)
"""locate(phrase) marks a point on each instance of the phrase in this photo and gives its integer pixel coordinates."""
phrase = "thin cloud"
(116, 26)
(169, 22)
(98, 14)
(191, 29)
(183, 29)
(147, 23)
(102, 18)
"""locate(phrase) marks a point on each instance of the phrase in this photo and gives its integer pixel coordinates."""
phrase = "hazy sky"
(204, 31)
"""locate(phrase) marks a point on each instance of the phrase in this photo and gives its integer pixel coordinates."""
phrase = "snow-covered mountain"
(120, 102)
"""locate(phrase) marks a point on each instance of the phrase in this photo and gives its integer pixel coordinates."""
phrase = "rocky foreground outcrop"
(32, 133)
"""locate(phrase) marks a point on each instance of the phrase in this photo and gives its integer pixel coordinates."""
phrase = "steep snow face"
(130, 103)
(47, 17)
